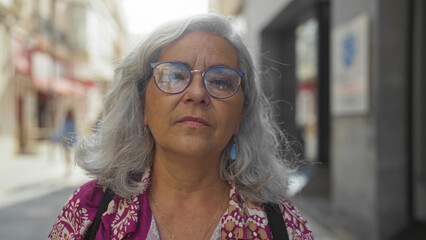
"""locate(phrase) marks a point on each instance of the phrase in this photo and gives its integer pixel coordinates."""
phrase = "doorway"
(295, 48)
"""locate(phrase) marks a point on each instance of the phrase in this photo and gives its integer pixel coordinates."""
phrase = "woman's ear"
(144, 118)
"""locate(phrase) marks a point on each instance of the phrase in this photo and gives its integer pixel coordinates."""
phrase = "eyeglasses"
(174, 77)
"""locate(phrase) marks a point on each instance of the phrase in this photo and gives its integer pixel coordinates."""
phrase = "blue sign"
(349, 49)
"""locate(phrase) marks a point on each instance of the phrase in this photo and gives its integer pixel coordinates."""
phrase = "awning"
(63, 86)
(54, 75)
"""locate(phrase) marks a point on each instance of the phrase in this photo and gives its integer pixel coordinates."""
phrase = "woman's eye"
(177, 76)
(220, 83)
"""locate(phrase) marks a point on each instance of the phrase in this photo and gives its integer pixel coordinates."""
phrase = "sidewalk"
(29, 176)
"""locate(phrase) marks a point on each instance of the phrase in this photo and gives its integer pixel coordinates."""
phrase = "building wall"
(273, 54)
(257, 20)
(7, 101)
(392, 99)
(354, 152)
(7, 124)
(53, 65)
(369, 154)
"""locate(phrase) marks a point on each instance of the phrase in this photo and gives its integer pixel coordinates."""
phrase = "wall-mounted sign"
(350, 68)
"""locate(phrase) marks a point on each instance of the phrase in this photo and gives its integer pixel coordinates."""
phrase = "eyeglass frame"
(240, 73)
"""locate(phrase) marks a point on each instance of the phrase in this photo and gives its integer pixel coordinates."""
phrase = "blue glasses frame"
(203, 73)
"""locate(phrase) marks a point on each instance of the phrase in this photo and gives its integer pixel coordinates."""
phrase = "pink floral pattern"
(131, 218)
(247, 220)
(72, 221)
(126, 214)
(296, 227)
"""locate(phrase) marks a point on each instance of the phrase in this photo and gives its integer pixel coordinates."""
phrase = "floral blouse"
(133, 219)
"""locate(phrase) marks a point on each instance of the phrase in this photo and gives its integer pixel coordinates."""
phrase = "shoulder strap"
(276, 221)
(93, 229)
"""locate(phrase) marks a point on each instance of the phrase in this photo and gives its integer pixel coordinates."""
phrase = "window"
(306, 92)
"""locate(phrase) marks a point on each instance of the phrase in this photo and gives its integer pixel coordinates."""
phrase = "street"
(33, 218)
(34, 189)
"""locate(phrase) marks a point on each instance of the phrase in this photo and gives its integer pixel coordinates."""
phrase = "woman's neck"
(185, 175)
(187, 191)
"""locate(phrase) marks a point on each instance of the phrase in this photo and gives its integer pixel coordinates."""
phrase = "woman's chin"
(194, 151)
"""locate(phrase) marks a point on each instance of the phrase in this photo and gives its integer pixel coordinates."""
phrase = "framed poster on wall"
(350, 67)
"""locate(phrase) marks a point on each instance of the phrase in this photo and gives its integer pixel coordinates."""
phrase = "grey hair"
(121, 149)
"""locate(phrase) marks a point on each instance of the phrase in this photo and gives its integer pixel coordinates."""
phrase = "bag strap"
(93, 229)
(276, 221)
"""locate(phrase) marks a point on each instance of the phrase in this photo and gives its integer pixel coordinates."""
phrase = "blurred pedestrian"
(187, 147)
(69, 138)
(65, 134)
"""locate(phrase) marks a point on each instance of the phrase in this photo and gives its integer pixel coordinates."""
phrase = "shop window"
(306, 92)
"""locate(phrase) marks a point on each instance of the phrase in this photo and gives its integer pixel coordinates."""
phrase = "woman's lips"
(194, 121)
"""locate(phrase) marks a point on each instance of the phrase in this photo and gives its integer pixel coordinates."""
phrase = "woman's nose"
(196, 92)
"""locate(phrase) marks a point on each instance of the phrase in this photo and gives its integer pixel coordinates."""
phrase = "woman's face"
(192, 123)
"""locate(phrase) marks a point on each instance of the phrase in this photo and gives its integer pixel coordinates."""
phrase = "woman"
(186, 144)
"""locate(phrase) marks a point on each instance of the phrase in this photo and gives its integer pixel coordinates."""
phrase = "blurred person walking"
(66, 134)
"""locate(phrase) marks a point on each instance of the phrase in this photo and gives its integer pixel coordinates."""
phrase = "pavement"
(28, 176)
(32, 219)
(37, 185)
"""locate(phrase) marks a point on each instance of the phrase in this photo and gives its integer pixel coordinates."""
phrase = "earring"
(234, 152)
(142, 142)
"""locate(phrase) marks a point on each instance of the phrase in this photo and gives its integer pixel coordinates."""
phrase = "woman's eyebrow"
(219, 65)
(189, 65)
(183, 62)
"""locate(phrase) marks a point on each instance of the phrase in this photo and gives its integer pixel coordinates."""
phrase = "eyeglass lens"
(174, 77)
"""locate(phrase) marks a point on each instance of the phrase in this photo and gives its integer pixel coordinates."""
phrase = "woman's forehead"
(201, 49)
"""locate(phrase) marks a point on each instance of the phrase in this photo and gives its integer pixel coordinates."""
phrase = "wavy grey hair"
(121, 149)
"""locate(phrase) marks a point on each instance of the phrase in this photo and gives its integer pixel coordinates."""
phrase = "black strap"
(93, 229)
(276, 221)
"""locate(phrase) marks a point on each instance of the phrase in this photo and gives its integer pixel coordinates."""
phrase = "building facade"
(348, 78)
(57, 56)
